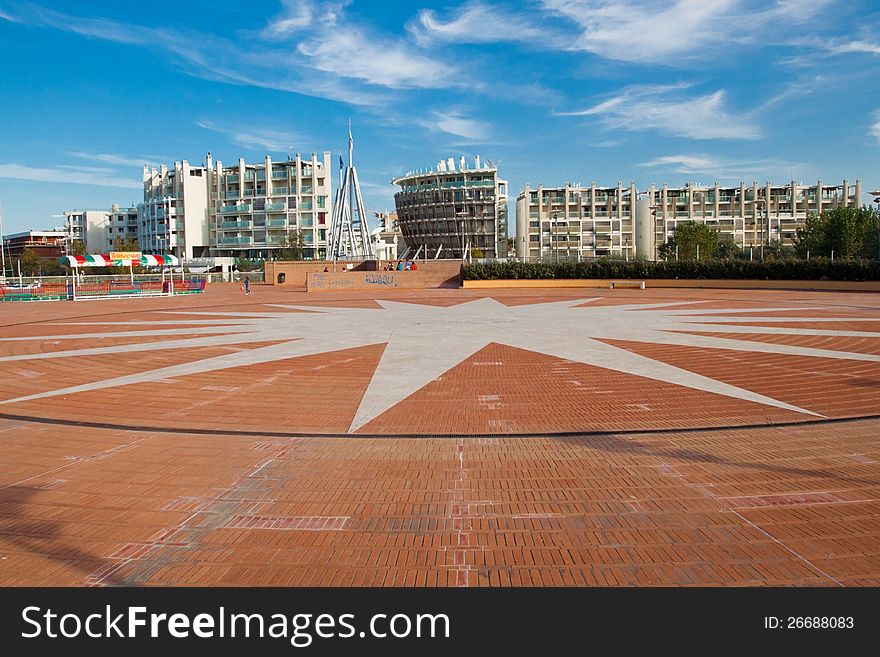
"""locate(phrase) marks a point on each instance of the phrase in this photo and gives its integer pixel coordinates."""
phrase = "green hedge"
(808, 270)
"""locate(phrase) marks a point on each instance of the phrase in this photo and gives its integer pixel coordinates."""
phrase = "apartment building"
(173, 218)
(44, 243)
(449, 212)
(98, 229)
(754, 215)
(583, 222)
(254, 209)
(247, 210)
(386, 238)
(575, 221)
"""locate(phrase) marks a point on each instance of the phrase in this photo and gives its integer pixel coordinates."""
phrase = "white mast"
(349, 237)
(2, 246)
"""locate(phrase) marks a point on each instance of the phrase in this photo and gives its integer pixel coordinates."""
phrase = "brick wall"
(438, 273)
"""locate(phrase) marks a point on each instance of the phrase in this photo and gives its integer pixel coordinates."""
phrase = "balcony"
(236, 240)
(237, 225)
(277, 191)
(276, 207)
(279, 174)
(229, 209)
(276, 223)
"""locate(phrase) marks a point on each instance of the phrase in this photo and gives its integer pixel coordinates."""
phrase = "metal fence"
(74, 288)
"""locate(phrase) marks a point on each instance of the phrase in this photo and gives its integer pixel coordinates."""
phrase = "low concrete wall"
(441, 273)
(437, 273)
(850, 286)
(295, 271)
(365, 280)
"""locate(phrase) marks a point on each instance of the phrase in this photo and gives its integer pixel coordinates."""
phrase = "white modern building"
(173, 218)
(575, 221)
(248, 210)
(255, 210)
(98, 229)
(452, 211)
(386, 237)
(754, 215)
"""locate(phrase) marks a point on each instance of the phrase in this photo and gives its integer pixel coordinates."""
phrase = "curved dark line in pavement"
(293, 434)
(487, 292)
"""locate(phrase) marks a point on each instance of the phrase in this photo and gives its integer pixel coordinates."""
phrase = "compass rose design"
(422, 342)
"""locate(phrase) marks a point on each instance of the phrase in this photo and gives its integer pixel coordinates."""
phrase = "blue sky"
(552, 90)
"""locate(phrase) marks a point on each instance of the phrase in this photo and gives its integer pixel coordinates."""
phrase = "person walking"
(247, 284)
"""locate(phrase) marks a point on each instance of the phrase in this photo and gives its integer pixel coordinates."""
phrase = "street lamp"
(876, 195)
(2, 248)
(759, 204)
(653, 210)
(461, 217)
(554, 236)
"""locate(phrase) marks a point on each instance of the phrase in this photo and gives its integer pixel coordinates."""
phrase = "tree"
(77, 247)
(477, 253)
(30, 263)
(293, 245)
(776, 250)
(687, 238)
(129, 244)
(727, 248)
(848, 232)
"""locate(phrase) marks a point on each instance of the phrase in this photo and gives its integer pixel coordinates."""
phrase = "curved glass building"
(453, 212)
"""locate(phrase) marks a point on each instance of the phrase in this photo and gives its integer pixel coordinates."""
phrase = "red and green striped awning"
(104, 260)
(148, 260)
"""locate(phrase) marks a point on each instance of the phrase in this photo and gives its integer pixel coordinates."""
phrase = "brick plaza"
(749, 464)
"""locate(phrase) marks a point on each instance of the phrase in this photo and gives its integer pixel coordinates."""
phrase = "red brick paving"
(318, 394)
(501, 389)
(754, 506)
(836, 388)
(21, 378)
(852, 344)
(795, 505)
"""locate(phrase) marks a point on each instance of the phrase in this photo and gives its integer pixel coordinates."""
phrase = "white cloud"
(662, 32)
(99, 177)
(297, 15)
(839, 48)
(662, 108)
(875, 129)
(351, 53)
(120, 160)
(723, 168)
(454, 122)
(655, 32)
(254, 138)
(477, 22)
(683, 163)
(340, 63)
